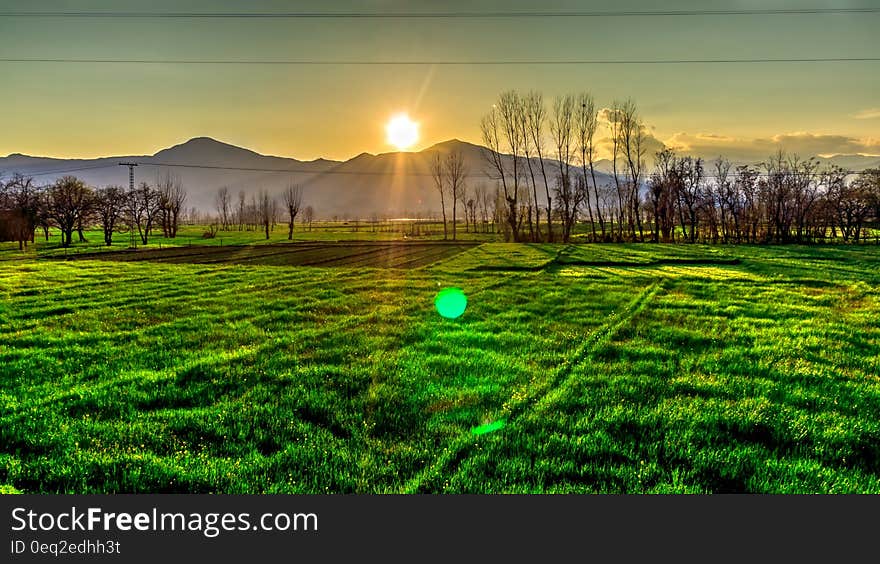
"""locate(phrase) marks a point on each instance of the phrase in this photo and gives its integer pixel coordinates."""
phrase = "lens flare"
(488, 427)
(450, 302)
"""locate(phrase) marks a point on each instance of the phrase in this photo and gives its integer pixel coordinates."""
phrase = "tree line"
(479, 206)
(262, 210)
(71, 206)
(532, 149)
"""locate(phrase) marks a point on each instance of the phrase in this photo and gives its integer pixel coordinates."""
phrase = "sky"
(744, 111)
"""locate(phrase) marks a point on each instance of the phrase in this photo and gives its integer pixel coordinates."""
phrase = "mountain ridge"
(392, 183)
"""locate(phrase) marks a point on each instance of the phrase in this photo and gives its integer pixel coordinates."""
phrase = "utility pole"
(132, 240)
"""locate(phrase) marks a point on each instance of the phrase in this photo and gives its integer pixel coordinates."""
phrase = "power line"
(314, 62)
(65, 170)
(443, 15)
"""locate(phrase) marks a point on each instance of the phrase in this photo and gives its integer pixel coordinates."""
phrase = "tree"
(470, 206)
(69, 201)
(455, 173)
(241, 209)
(536, 116)
(482, 197)
(171, 199)
(309, 216)
(562, 131)
(143, 206)
(688, 187)
(614, 126)
(266, 210)
(726, 201)
(587, 123)
(293, 203)
(632, 144)
(20, 210)
(852, 203)
(523, 122)
(662, 190)
(221, 201)
(438, 174)
(501, 134)
(870, 179)
(110, 209)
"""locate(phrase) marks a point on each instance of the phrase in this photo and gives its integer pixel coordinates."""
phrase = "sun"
(402, 132)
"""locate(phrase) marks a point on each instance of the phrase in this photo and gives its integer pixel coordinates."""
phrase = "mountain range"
(388, 184)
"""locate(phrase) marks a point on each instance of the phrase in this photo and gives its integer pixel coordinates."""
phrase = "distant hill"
(391, 184)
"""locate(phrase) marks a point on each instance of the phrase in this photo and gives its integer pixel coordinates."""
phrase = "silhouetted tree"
(455, 174)
(20, 210)
(221, 201)
(171, 199)
(587, 121)
(292, 196)
(502, 134)
(438, 175)
(536, 117)
(266, 210)
(110, 210)
(143, 206)
(309, 216)
(562, 131)
(69, 199)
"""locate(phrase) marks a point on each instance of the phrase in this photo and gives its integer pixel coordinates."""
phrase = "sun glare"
(402, 132)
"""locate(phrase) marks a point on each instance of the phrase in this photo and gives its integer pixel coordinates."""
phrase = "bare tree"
(536, 117)
(632, 145)
(309, 216)
(470, 206)
(562, 131)
(852, 203)
(266, 209)
(455, 173)
(222, 202)
(194, 216)
(501, 134)
(143, 206)
(663, 189)
(69, 200)
(481, 195)
(521, 115)
(21, 210)
(293, 196)
(587, 124)
(500, 213)
(438, 174)
(110, 210)
(171, 199)
(241, 209)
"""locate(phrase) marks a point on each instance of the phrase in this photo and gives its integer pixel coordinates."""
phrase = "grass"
(596, 368)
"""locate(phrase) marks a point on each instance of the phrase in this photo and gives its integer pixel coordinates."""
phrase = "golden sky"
(307, 112)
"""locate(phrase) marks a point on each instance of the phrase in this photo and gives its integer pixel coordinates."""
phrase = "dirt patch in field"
(348, 254)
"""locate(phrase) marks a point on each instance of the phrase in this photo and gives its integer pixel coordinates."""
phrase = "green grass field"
(591, 368)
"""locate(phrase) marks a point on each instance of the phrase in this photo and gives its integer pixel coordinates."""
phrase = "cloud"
(710, 146)
(606, 115)
(650, 144)
(870, 113)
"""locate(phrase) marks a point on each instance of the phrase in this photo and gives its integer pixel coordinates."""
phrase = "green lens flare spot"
(450, 302)
(488, 427)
